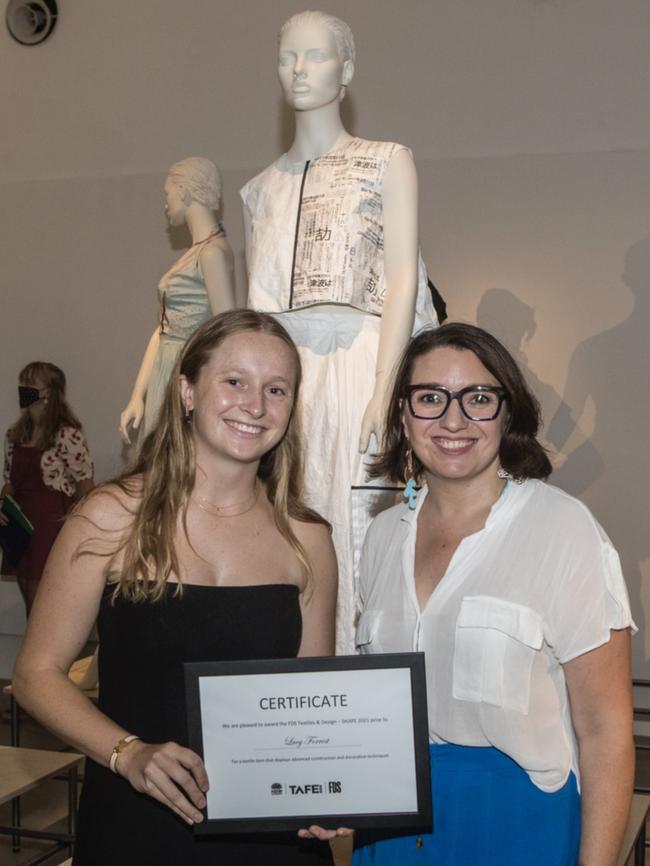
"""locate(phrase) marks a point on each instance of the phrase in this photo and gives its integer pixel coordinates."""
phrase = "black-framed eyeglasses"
(477, 402)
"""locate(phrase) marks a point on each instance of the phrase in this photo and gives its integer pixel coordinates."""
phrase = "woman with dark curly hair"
(47, 466)
(515, 594)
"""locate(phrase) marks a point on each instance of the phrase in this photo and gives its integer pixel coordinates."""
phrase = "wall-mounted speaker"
(30, 22)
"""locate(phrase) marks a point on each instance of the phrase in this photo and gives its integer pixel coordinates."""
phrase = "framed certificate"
(339, 741)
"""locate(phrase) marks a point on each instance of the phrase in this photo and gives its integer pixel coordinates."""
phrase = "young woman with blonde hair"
(202, 552)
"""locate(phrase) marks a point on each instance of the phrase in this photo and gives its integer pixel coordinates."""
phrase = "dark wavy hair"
(57, 413)
(520, 453)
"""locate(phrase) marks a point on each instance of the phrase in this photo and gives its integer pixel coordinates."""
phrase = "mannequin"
(332, 250)
(199, 285)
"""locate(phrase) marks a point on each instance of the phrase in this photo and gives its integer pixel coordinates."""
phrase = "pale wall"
(529, 124)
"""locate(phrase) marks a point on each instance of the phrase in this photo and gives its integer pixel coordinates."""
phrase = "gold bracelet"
(118, 748)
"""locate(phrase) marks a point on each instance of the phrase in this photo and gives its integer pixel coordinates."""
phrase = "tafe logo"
(305, 789)
(276, 788)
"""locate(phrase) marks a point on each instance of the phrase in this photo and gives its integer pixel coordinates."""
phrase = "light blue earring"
(410, 492)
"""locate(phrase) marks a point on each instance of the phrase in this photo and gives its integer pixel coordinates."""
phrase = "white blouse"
(539, 585)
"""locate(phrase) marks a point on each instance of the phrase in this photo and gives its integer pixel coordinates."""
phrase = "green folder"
(16, 535)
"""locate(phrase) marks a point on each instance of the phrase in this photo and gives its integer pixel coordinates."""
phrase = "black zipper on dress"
(295, 240)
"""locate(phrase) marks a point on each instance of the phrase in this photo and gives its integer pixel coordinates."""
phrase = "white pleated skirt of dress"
(338, 350)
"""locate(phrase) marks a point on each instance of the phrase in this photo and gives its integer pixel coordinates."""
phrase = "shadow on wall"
(512, 321)
(612, 370)
(608, 469)
(609, 373)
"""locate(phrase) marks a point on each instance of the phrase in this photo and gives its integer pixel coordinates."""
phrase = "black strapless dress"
(142, 651)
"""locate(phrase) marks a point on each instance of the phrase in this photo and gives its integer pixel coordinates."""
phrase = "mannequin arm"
(134, 410)
(400, 201)
(216, 266)
(248, 239)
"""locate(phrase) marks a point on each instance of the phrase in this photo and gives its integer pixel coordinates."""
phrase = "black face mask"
(27, 396)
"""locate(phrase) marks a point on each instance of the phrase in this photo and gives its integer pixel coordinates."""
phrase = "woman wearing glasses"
(515, 594)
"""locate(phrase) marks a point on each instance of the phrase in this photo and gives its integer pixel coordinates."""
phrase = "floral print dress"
(44, 484)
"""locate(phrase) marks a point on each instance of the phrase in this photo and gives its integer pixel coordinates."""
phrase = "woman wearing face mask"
(47, 466)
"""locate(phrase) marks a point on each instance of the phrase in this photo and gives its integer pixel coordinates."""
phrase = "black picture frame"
(420, 819)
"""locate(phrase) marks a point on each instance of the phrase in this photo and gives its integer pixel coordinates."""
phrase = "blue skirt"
(485, 810)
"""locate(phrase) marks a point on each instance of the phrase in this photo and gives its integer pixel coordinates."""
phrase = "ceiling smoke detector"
(30, 22)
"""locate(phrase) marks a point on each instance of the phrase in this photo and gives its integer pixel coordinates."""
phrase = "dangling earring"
(410, 492)
(503, 473)
(187, 417)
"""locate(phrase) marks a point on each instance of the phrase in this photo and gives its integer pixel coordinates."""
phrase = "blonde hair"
(164, 473)
(200, 177)
(339, 29)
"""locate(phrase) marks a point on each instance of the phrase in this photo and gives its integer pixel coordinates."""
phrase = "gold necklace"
(227, 510)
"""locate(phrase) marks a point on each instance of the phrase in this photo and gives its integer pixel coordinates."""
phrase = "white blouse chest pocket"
(495, 645)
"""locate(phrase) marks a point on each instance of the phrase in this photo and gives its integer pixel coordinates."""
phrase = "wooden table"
(22, 770)
(83, 674)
